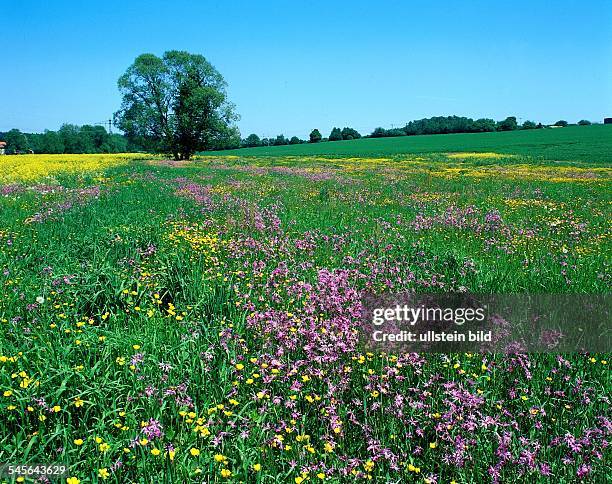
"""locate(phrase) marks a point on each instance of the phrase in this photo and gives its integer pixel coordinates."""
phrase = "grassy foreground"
(194, 322)
(573, 143)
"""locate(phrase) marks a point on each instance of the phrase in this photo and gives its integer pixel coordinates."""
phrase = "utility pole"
(109, 123)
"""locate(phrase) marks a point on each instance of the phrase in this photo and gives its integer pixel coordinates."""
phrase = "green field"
(197, 321)
(573, 143)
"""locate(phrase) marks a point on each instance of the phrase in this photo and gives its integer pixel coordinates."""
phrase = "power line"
(108, 122)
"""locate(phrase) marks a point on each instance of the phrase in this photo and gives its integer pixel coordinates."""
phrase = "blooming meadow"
(197, 321)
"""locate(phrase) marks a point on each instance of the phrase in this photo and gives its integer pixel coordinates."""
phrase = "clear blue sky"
(294, 66)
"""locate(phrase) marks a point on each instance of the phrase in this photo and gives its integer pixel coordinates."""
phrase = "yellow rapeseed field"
(24, 168)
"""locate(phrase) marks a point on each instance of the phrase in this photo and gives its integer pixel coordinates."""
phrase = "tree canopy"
(335, 135)
(251, 141)
(350, 133)
(16, 141)
(315, 136)
(529, 125)
(177, 103)
(281, 140)
(508, 124)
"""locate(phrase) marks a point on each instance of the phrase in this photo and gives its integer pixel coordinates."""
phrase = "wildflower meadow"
(197, 321)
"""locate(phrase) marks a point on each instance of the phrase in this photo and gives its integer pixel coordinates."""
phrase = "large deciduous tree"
(177, 103)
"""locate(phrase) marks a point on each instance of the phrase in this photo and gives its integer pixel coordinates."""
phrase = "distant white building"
(2, 147)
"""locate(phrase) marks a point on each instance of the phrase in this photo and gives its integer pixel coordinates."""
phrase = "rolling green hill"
(573, 143)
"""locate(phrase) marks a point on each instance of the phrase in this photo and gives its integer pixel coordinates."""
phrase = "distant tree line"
(315, 136)
(253, 140)
(68, 139)
(460, 124)
(71, 138)
(434, 125)
(454, 124)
